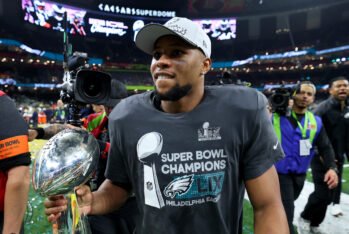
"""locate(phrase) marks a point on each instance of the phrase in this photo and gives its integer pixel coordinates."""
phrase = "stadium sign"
(135, 11)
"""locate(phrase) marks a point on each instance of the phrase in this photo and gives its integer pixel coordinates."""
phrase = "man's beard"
(175, 93)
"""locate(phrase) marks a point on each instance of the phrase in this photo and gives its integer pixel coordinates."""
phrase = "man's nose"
(163, 61)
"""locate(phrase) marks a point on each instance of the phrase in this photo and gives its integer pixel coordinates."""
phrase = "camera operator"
(298, 134)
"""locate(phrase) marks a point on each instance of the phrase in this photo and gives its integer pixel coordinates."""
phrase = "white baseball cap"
(181, 27)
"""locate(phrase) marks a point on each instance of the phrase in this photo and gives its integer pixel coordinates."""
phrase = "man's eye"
(156, 55)
(177, 53)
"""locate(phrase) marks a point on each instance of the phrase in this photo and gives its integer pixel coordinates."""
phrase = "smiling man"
(188, 151)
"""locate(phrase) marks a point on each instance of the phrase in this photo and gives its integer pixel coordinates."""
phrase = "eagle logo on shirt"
(178, 186)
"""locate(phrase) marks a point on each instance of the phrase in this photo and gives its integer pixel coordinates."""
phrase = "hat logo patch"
(178, 29)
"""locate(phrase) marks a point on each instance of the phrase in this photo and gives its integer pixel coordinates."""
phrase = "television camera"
(82, 85)
(279, 100)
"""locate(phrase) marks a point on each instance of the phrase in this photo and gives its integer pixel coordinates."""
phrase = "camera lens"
(92, 87)
(278, 99)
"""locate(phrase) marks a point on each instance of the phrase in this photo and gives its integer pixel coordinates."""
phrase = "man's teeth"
(163, 77)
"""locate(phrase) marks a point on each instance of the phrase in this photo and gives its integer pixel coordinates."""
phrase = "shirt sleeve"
(325, 149)
(263, 148)
(14, 149)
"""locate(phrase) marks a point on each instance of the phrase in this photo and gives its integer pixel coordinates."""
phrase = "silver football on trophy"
(67, 160)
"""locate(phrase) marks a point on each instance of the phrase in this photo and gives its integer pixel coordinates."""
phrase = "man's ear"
(206, 65)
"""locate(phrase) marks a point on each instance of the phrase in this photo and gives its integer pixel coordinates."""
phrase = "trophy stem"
(84, 226)
(71, 221)
(79, 221)
(62, 225)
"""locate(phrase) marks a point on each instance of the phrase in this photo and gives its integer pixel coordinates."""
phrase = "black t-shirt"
(187, 170)
(14, 150)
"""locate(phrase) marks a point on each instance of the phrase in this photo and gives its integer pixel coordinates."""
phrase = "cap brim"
(150, 33)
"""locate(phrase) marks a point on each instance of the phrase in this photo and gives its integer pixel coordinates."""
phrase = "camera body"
(92, 87)
(82, 85)
(86, 86)
(279, 100)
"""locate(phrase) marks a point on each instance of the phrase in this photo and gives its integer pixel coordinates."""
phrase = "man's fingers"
(53, 218)
(54, 201)
(82, 190)
(56, 197)
(326, 178)
(54, 206)
(72, 126)
(332, 182)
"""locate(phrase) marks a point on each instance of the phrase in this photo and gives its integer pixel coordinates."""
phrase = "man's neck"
(299, 110)
(185, 104)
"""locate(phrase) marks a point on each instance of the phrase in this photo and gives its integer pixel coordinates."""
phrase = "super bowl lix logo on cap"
(175, 27)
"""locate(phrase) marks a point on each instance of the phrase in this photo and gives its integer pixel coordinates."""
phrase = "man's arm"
(327, 157)
(48, 131)
(325, 149)
(108, 198)
(16, 197)
(269, 213)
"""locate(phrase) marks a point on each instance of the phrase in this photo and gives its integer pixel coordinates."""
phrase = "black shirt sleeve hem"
(19, 160)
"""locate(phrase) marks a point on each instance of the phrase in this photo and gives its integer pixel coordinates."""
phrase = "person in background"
(97, 122)
(14, 167)
(299, 133)
(60, 113)
(334, 113)
(183, 150)
(48, 112)
(35, 118)
(42, 118)
(85, 111)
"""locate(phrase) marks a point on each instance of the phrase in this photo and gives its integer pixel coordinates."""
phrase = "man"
(188, 151)
(14, 167)
(298, 134)
(334, 115)
(60, 113)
